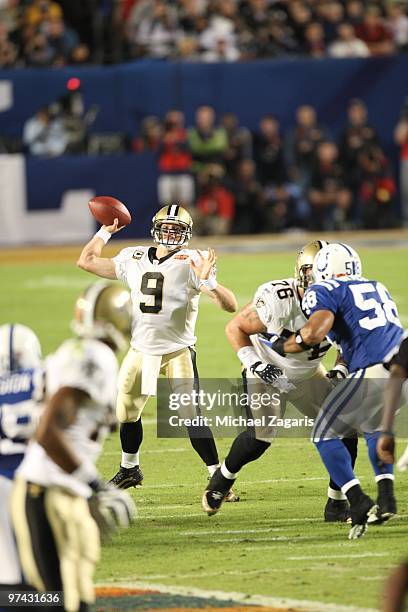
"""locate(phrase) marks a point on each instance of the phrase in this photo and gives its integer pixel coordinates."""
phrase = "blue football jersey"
(20, 395)
(366, 325)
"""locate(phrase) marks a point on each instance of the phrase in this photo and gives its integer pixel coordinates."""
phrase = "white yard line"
(157, 451)
(336, 556)
(244, 598)
(241, 482)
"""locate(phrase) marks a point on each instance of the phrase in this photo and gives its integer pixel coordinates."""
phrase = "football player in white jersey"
(166, 281)
(276, 311)
(59, 504)
(21, 395)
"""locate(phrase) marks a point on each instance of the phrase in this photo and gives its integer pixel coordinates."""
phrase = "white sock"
(334, 494)
(226, 473)
(384, 477)
(212, 468)
(129, 460)
(349, 484)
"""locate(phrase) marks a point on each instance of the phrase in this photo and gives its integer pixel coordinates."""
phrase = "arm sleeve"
(317, 298)
(121, 261)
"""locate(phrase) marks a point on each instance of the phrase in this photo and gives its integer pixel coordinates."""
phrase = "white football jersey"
(165, 295)
(91, 366)
(278, 305)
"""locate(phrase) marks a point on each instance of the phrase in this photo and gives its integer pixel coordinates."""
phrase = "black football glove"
(266, 372)
(338, 373)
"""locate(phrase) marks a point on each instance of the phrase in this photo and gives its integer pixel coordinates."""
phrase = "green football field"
(273, 542)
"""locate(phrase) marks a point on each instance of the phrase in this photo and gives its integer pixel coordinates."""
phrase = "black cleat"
(363, 512)
(337, 511)
(127, 477)
(387, 509)
(218, 489)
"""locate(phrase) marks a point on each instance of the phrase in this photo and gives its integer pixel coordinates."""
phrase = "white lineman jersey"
(278, 305)
(90, 366)
(165, 295)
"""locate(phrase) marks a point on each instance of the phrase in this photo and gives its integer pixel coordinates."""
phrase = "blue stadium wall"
(127, 93)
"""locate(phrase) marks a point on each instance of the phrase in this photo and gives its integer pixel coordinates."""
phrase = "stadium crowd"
(49, 33)
(238, 181)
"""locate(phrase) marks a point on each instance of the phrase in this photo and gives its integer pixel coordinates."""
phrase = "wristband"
(103, 234)
(343, 369)
(209, 283)
(247, 356)
(300, 342)
(86, 473)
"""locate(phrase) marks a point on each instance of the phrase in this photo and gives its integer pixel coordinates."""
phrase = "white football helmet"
(337, 260)
(20, 349)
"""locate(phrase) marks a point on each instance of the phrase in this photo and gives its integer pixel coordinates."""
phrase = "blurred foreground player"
(21, 395)
(60, 506)
(166, 281)
(360, 316)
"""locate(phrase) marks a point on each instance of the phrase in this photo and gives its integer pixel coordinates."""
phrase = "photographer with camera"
(44, 134)
(401, 139)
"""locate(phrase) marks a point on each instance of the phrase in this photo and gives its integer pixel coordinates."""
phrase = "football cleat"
(363, 512)
(231, 497)
(387, 509)
(337, 511)
(127, 477)
(217, 491)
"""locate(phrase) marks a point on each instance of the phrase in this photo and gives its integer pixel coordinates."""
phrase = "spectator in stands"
(354, 12)
(38, 51)
(332, 15)
(374, 32)
(187, 49)
(8, 51)
(397, 21)
(223, 49)
(208, 143)
(41, 10)
(61, 39)
(356, 136)
(44, 134)
(187, 12)
(156, 35)
(268, 152)
(314, 42)
(377, 189)
(175, 183)
(301, 144)
(280, 210)
(401, 139)
(215, 202)
(256, 14)
(300, 15)
(329, 196)
(239, 143)
(347, 44)
(249, 200)
(150, 137)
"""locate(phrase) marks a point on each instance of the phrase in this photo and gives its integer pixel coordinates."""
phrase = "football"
(106, 209)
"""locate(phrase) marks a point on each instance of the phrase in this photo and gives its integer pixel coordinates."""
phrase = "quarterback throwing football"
(166, 281)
